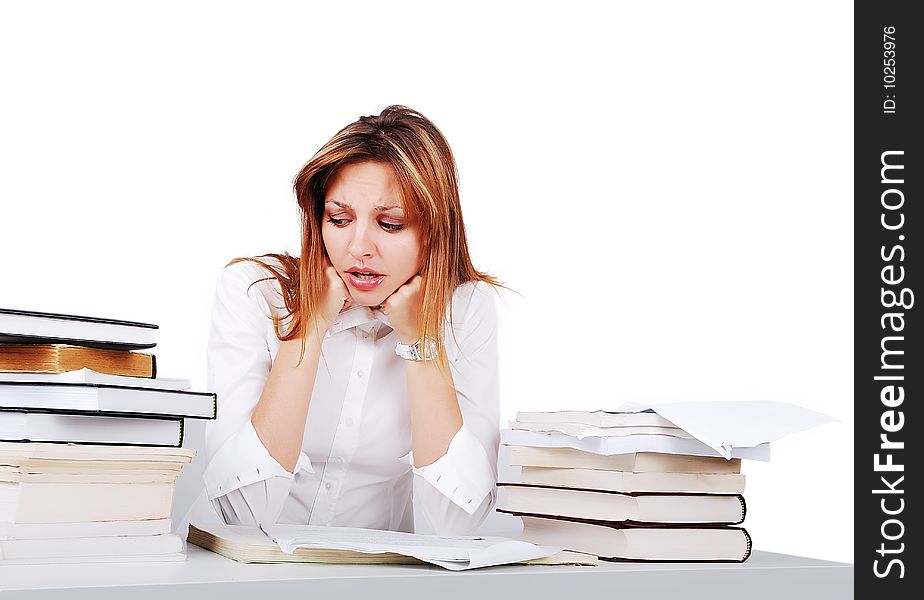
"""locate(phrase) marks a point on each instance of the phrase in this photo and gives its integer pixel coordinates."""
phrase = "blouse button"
(360, 374)
(328, 485)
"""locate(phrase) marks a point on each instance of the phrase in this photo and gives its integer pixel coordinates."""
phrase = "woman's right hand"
(336, 300)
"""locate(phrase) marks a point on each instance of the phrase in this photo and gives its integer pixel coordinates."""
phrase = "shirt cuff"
(242, 460)
(463, 474)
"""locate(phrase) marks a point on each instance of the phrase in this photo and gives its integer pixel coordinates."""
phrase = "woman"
(339, 373)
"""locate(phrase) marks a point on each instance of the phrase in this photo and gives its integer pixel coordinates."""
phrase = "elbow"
(458, 522)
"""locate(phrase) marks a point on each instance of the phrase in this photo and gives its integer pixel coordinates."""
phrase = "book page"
(454, 553)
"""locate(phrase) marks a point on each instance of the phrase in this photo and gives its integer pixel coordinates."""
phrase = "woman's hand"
(336, 300)
(403, 307)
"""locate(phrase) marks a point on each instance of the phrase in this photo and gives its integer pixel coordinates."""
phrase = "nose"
(361, 245)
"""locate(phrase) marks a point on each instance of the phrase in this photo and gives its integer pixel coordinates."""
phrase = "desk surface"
(204, 574)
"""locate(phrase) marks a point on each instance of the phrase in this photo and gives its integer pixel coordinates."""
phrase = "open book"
(250, 545)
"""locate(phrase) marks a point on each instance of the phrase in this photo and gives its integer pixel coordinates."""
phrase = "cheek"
(331, 240)
(408, 253)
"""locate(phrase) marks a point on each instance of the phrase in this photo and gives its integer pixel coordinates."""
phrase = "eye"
(386, 226)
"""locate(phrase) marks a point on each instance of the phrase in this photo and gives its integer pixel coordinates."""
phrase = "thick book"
(51, 465)
(35, 501)
(631, 443)
(615, 542)
(103, 398)
(19, 474)
(61, 358)
(597, 418)
(66, 455)
(534, 456)
(250, 545)
(33, 327)
(89, 376)
(88, 428)
(112, 549)
(623, 507)
(625, 481)
(39, 531)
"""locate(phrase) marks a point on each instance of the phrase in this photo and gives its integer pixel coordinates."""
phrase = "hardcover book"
(623, 507)
(534, 456)
(33, 327)
(103, 398)
(615, 542)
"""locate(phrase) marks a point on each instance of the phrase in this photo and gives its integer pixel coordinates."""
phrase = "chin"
(371, 299)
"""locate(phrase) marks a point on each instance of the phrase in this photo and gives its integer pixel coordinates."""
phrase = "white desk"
(205, 575)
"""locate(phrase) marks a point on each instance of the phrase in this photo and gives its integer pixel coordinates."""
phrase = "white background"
(668, 185)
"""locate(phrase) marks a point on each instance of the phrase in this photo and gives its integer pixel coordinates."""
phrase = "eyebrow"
(377, 208)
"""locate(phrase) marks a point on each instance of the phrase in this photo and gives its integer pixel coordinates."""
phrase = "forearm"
(435, 413)
(280, 415)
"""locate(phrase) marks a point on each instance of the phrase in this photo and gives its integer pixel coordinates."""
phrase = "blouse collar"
(357, 315)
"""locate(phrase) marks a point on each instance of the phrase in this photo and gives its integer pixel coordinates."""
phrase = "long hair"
(425, 170)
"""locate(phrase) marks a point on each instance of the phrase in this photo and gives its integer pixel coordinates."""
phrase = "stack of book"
(91, 441)
(624, 486)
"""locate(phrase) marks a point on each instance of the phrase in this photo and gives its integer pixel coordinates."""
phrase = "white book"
(33, 531)
(633, 443)
(625, 481)
(89, 376)
(659, 544)
(99, 549)
(42, 502)
(26, 326)
(92, 397)
(571, 458)
(89, 428)
(22, 453)
(27, 475)
(635, 507)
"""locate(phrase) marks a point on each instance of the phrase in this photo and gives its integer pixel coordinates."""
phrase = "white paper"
(454, 553)
(581, 431)
(729, 425)
(607, 446)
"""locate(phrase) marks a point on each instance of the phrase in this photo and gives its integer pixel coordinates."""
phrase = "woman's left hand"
(402, 308)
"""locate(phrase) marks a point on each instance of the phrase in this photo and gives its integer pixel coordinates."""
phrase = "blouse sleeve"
(245, 484)
(460, 489)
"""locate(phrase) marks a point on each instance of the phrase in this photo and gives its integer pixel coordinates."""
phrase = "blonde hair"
(425, 169)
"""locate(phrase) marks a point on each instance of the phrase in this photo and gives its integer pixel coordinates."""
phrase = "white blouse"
(355, 468)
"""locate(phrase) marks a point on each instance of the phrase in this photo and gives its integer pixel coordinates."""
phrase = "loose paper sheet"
(454, 553)
(724, 426)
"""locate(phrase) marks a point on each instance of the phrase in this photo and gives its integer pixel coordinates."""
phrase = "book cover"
(623, 507)
(30, 327)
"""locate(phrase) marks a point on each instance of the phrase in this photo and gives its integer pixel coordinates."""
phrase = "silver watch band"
(416, 351)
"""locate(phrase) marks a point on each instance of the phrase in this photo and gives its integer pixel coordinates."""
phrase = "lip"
(363, 284)
(358, 269)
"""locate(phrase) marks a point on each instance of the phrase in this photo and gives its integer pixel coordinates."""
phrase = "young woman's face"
(365, 227)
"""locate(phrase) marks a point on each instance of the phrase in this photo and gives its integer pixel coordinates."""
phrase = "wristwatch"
(416, 351)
